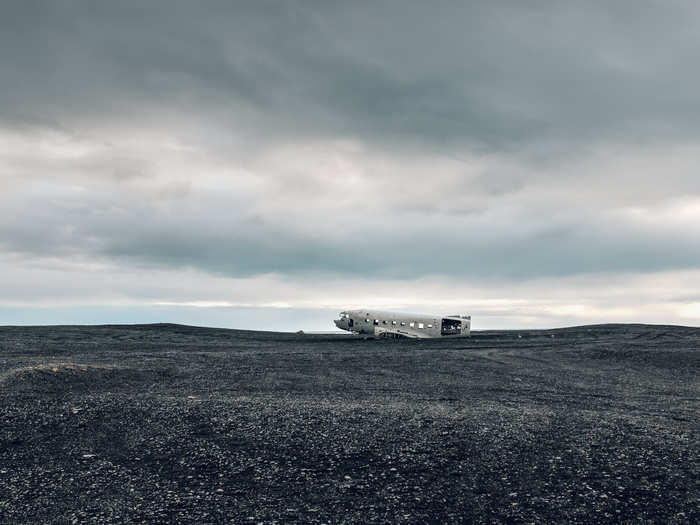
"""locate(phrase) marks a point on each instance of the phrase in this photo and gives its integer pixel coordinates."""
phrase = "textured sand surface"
(175, 424)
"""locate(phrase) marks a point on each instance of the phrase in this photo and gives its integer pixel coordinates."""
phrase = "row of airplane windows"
(411, 324)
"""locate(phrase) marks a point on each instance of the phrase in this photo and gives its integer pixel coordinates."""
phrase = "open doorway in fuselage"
(451, 327)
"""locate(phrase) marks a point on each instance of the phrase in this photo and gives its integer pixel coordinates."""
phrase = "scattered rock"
(325, 430)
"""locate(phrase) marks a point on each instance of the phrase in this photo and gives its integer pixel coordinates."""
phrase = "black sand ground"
(175, 424)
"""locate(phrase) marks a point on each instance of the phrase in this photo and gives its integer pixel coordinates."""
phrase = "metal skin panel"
(382, 323)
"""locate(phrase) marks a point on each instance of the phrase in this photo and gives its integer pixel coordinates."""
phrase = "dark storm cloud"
(485, 74)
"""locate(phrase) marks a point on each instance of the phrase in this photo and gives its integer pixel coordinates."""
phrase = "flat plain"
(178, 424)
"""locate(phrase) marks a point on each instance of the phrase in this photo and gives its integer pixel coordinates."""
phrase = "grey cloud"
(493, 74)
(286, 215)
(240, 244)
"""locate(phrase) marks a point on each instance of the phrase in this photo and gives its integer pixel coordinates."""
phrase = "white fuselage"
(382, 323)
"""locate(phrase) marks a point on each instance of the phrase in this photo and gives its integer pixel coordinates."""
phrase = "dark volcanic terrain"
(176, 424)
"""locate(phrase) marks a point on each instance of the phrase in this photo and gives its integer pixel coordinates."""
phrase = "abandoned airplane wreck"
(394, 324)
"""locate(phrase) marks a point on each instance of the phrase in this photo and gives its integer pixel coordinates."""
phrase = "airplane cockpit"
(345, 322)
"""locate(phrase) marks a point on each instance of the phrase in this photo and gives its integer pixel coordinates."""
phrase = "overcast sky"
(266, 164)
